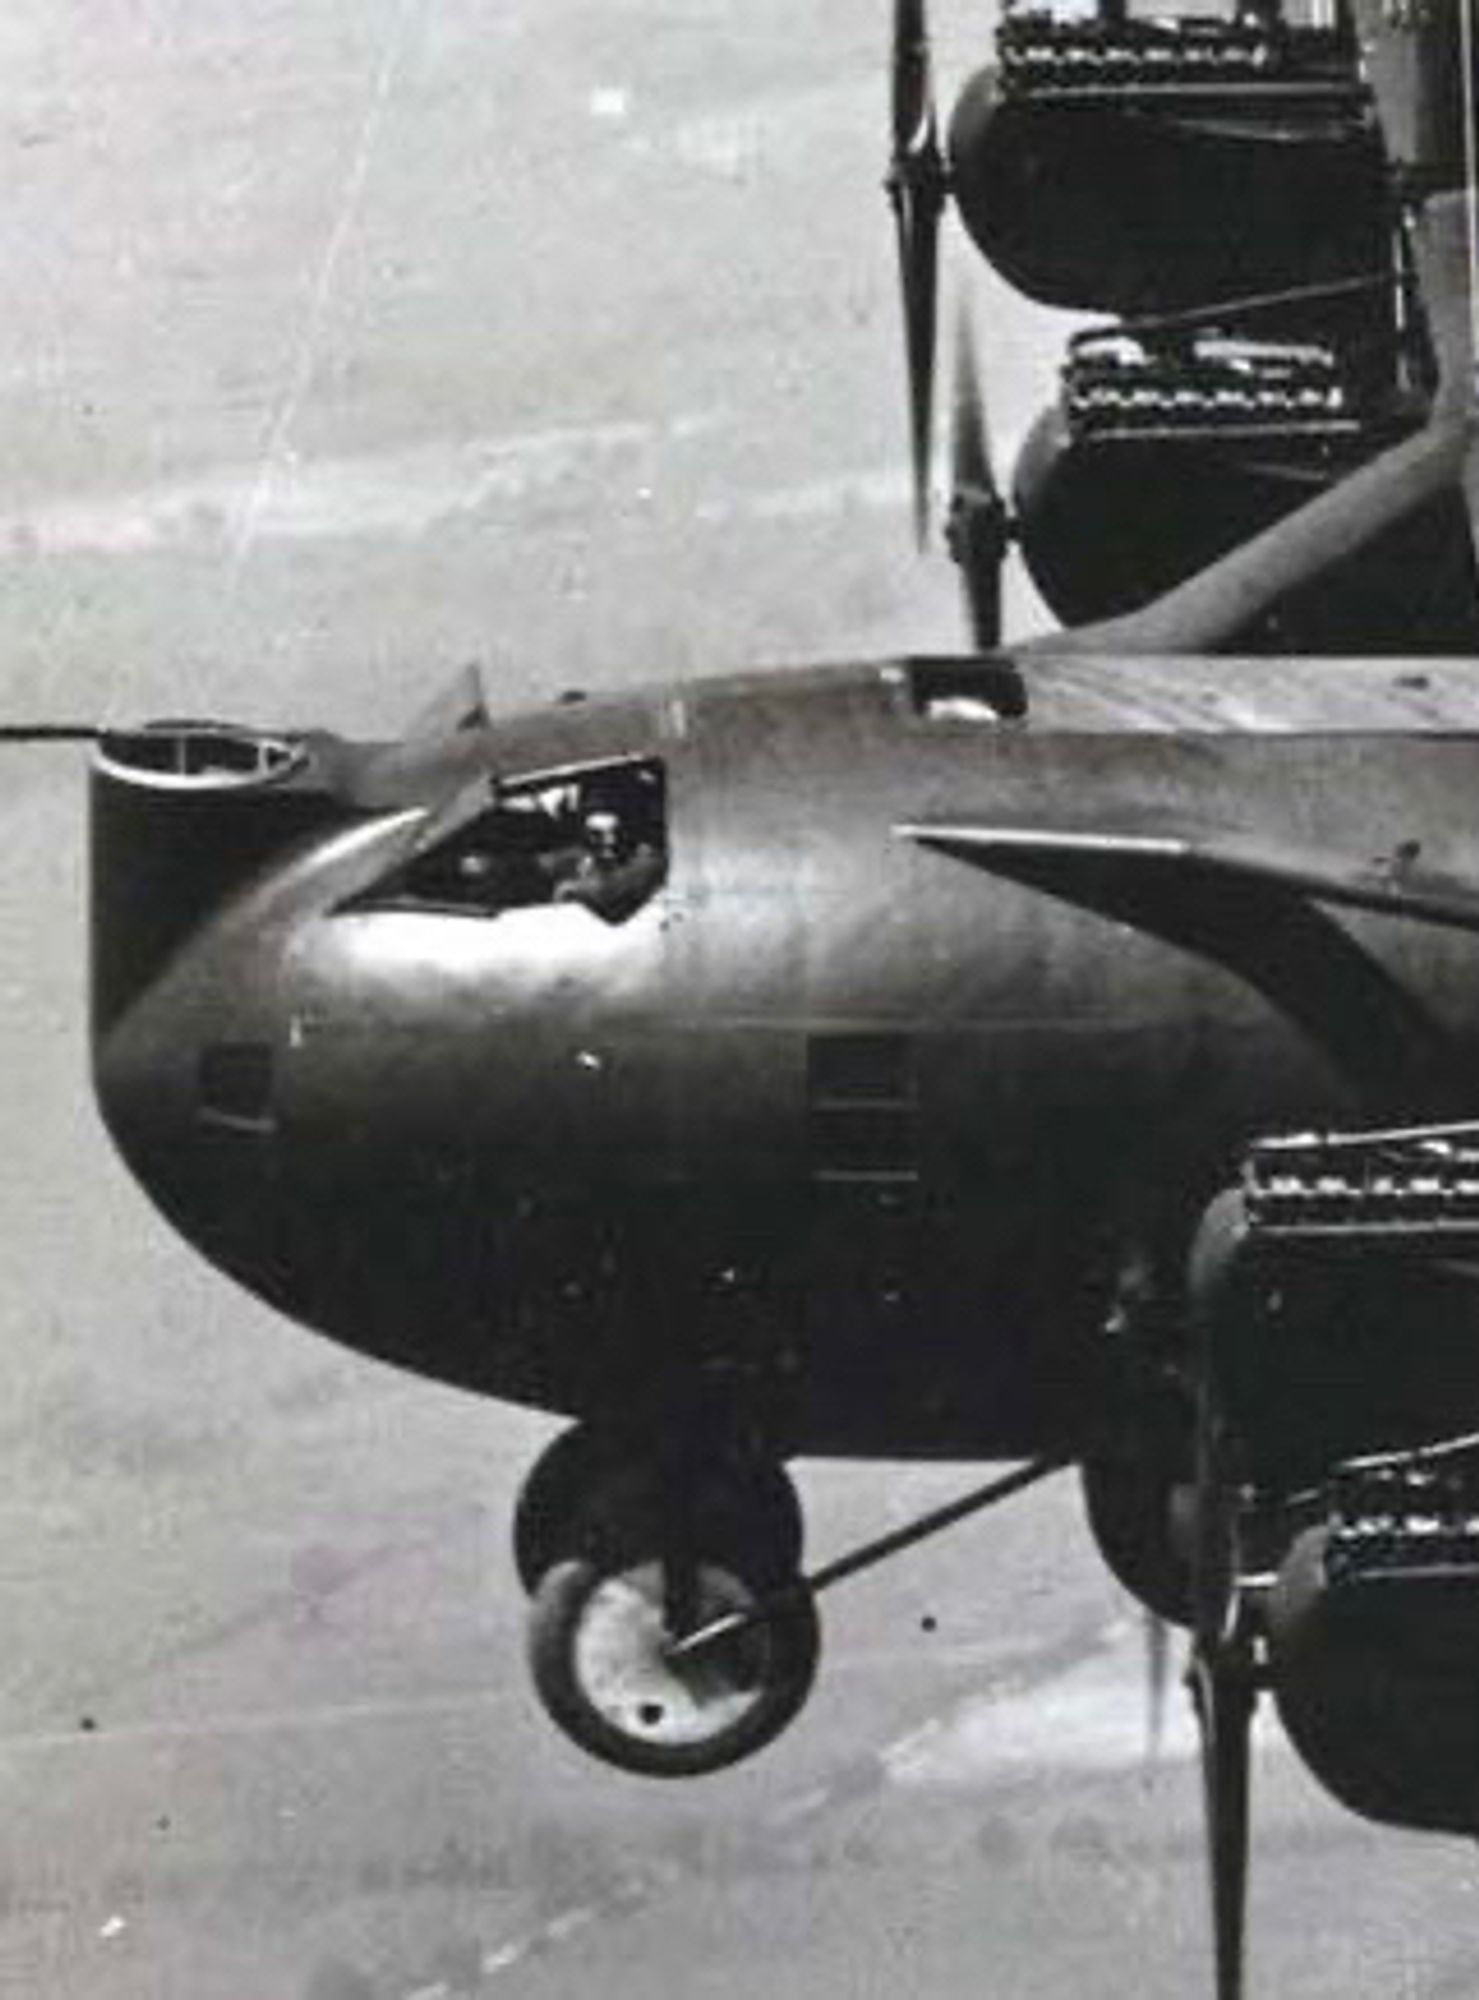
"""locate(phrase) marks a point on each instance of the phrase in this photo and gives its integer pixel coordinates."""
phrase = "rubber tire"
(1129, 1508)
(589, 1480)
(556, 1613)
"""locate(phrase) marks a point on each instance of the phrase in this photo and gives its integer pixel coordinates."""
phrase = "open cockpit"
(594, 836)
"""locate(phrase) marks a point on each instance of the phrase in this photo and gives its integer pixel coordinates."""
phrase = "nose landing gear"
(596, 1484)
(671, 1630)
(628, 1548)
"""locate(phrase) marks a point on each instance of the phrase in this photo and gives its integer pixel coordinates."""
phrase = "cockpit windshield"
(595, 837)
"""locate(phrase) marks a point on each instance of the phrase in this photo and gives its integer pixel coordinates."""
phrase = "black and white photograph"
(739, 999)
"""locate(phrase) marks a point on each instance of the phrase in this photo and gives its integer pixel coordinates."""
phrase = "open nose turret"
(194, 830)
(183, 814)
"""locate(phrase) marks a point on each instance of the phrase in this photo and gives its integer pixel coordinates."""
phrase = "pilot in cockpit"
(621, 859)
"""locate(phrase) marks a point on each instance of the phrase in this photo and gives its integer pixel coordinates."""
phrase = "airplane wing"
(1258, 905)
(1155, 855)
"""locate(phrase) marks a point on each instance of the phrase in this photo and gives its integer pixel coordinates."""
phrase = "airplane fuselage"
(853, 1133)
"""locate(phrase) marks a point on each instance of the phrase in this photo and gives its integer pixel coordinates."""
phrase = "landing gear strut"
(671, 1630)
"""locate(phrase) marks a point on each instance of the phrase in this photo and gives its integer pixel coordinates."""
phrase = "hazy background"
(343, 342)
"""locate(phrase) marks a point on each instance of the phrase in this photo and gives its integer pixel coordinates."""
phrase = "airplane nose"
(348, 1052)
(194, 1123)
(186, 819)
(182, 814)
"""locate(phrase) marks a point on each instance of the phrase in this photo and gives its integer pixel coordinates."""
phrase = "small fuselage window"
(595, 837)
(977, 691)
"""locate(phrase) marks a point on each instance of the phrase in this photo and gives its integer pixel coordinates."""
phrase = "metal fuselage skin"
(848, 1133)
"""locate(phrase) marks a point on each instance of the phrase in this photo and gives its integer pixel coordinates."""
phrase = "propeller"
(916, 187)
(1222, 1676)
(1223, 1694)
(979, 529)
(1224, 1707)
(1157, 1677)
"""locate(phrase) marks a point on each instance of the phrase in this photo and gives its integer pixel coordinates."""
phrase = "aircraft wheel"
(598, 1649)
(1140, 1516)
(592, 1486)
(579, 1462)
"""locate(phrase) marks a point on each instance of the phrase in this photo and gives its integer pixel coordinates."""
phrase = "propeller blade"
(913, 96)
(970, 440)
(978, 532)
(919, 268)
(916, 188)
(1157, 1678)
(1223, 1675)
(1223, 1697)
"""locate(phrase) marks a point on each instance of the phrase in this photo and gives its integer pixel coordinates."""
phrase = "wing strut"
(1211, 607)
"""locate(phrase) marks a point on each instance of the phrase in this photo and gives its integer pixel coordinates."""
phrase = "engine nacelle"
(1152, 464)
(1374, 1652)
(1088, 185)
